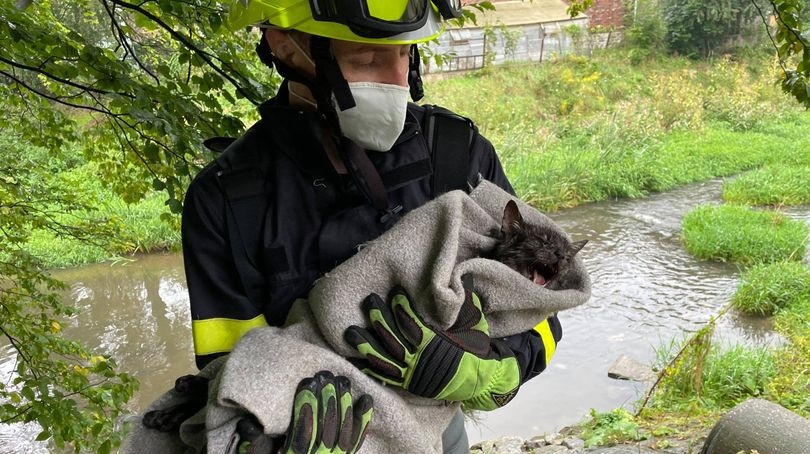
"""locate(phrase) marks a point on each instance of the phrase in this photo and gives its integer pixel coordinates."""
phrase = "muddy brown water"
(646, 291)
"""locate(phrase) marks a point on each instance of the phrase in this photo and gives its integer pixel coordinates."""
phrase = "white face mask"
(377, 119)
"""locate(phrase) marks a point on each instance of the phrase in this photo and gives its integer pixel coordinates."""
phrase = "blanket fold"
(426, 252)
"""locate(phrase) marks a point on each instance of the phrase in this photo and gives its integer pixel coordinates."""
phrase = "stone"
(551, 449)
(759, 425)
(510, 445)
(535, 442)
(628, 449)
(503, 445)
(627, 368)
(573, 443)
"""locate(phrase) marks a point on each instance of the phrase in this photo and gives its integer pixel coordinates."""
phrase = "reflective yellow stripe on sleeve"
(544, 330)
(219, 335)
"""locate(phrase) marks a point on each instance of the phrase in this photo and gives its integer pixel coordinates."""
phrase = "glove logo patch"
(503, 399)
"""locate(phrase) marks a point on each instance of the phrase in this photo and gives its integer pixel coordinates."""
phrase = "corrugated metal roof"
(524, 12)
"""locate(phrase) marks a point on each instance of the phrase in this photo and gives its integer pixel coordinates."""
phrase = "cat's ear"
(577, 246)
(512, 220)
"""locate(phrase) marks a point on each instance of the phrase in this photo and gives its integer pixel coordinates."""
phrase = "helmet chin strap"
(329, 80)
(414, 76)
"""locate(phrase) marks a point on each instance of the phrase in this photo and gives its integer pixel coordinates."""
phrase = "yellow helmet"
(364, 21)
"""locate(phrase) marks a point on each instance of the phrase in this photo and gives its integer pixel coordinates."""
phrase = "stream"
(647, 291)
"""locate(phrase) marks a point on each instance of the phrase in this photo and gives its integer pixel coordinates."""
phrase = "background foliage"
(116, 92)
(695, 27)
(698, 28)
(73, 394)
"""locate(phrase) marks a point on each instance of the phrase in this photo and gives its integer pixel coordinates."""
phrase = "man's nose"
(396, 75)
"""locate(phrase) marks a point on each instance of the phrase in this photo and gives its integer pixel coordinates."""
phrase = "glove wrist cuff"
(502, 388)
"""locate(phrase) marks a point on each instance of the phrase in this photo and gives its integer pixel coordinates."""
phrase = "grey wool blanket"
(426, 252)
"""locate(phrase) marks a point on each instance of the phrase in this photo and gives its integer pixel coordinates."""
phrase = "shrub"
(613, 427)
(678, 100)
(743, 235)
(765, 289)
(733, 97)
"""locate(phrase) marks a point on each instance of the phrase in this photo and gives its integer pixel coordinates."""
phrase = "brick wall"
(607, 13)
(604, 13)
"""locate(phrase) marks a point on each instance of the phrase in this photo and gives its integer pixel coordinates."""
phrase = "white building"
(516, 31)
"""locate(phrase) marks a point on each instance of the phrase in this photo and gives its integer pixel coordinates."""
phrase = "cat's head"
(538, 253)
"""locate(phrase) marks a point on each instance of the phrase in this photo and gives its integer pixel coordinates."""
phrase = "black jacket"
(311, 220)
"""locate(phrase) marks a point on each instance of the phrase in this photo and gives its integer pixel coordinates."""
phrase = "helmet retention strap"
(328, 71)
(329, 80)
(414, 77)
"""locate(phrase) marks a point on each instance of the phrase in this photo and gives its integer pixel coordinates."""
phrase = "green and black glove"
(460, 364)
(325, 420)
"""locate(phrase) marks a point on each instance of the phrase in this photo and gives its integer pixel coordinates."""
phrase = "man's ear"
(279, 43)
(294, 54)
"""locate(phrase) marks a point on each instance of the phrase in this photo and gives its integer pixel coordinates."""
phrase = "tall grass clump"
(791, 386)
(702, 376)
(715, 379)
(743, 235)
(137, 227)
(765, 289)
(773, 185)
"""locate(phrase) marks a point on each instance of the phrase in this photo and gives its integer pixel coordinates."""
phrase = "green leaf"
(175, 206)
(105, 448)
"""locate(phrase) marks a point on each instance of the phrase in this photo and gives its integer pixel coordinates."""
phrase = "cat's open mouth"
(540, 274)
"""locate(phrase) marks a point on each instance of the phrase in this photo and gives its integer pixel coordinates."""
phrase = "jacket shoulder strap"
(449, 137)
(242, 180)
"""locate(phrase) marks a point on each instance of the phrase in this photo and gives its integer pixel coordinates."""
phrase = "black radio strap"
(242, 179)
(449, 137)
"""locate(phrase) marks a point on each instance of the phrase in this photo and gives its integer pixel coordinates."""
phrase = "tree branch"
(13, 418)
(59, 79)
(792, 31)
(49, 97)
(123, 40)
(770, 36)
(201, 53)
(19, 349)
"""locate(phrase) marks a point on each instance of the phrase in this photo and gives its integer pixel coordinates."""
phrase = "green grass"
(719, 380)
(138, 228)
(791, 385)
(743, 235)
(765, 289)
(774, 185)
(578, 130)
(615, 426)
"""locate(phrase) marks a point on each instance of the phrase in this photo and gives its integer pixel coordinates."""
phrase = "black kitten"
(541, 254)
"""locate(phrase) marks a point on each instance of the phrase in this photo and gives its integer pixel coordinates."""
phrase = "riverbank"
(569, 441)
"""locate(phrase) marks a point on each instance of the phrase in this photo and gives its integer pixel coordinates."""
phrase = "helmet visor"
(373, 19)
